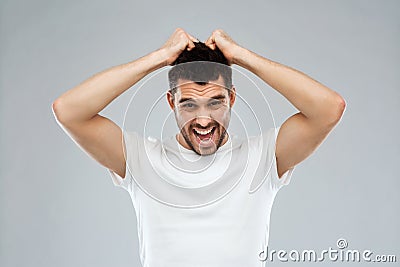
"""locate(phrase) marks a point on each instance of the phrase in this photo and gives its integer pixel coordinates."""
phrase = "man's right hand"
(176, 44)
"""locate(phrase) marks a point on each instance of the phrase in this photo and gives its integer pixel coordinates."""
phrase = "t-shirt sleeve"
(269, 147)
(263, 147)
(130, 144)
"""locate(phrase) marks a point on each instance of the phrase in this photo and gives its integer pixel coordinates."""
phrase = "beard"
(197, 148)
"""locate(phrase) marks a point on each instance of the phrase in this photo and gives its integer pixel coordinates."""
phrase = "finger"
(190, 45)
(210, 40)
(193, 39)
(211, 43)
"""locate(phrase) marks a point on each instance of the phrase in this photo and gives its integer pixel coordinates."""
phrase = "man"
(216, 217)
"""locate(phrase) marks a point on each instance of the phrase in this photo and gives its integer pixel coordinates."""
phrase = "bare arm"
(320, 107)
(77, 109)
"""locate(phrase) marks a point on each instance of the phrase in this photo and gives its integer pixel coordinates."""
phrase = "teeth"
(204, 132)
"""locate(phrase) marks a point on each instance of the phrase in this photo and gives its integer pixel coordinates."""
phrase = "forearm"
(314, 100)
(90, 97)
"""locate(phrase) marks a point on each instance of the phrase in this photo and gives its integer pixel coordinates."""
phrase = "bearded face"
(202, 114)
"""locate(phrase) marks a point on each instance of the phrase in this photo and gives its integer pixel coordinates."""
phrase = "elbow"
(337, 110)
(57, 110)
(340, 107)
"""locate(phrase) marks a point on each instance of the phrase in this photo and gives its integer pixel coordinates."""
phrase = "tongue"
(204, 136)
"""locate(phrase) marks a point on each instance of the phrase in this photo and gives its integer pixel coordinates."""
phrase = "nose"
(203, 121)
(203, 114)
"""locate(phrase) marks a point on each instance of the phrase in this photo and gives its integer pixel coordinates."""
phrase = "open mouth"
(204, 137)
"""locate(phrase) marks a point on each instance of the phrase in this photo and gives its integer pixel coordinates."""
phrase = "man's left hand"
(224, 42)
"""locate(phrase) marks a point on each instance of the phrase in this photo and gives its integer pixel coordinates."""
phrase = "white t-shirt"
(211, 211)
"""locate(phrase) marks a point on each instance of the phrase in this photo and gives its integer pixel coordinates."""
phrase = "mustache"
(196, 125)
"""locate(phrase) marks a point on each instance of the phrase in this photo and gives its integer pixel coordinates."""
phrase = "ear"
(170, 99)
(232, 96)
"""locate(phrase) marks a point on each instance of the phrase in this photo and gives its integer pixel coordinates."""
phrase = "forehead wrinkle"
(198, 91)
(184, 84)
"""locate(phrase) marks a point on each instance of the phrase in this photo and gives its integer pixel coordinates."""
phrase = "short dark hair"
(200, 72)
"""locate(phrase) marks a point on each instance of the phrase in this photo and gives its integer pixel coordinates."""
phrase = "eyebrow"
(193, 99)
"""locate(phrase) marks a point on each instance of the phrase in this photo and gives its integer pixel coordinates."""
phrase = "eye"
(188, 105)
(215, 103)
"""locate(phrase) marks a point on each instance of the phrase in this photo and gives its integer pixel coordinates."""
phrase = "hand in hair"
(224, 42)
(177, 42)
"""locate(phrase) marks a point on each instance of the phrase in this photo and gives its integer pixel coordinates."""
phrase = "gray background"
(58, 207)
